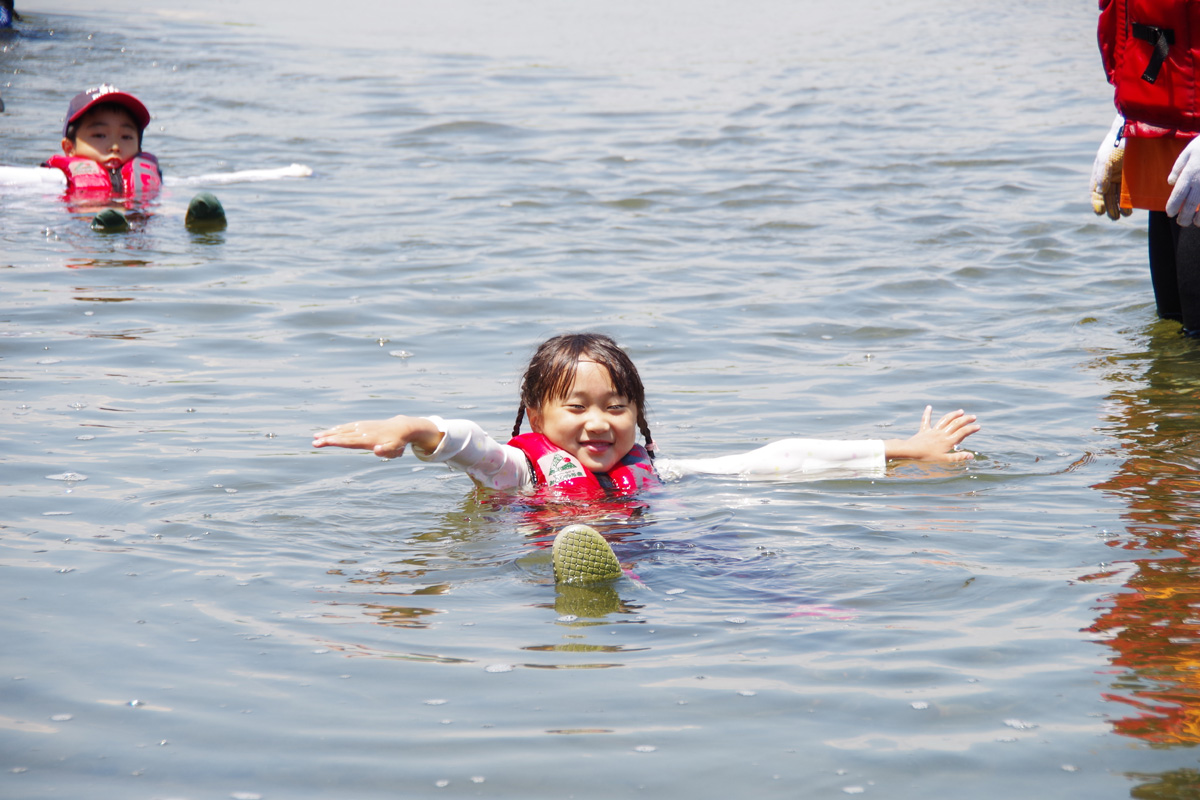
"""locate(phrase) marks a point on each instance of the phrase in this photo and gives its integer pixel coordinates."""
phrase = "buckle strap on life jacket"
(1162, 39)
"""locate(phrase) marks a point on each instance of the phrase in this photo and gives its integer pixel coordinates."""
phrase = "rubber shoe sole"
(110, 221)
(205, 213)
(581, 555)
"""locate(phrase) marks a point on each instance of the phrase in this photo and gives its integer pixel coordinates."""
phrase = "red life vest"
(138, 177)
(1149, 55)
(559, 470)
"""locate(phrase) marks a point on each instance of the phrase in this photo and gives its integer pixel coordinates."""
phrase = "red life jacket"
(1149, 54)
(138, 177)
(559, 470)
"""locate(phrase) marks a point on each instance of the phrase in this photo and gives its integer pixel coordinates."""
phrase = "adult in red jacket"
(1150, 158)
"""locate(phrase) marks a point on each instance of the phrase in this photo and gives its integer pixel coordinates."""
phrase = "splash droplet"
(1019, 725)
(67, 476)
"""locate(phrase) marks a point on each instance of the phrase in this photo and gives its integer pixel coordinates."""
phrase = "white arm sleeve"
(786, 457)
(467, 447)
(32, 176)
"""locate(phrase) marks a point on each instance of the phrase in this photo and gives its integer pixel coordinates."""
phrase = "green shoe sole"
(110, 221)
(205, 213)
(581, 555)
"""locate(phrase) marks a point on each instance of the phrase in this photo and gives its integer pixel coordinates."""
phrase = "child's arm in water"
(459, 443)
(935, 442)
(387, 438)
(785, 457)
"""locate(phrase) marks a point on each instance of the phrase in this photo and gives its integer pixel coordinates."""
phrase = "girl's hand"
(936, 442)
(387, 438)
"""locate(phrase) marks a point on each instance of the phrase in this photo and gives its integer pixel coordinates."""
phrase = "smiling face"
(591, 422)
(108, 136)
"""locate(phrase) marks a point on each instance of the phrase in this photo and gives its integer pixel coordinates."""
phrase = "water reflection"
(585, 604)
(87, 262)
(539, 519)
(486, 534)
(1153, 626)
(150, 230)
(1179, 784)
(399, 616)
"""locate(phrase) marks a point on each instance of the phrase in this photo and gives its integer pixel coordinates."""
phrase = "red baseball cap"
(104, 93)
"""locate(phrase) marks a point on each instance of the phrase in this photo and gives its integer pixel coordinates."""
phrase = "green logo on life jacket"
(559, 467)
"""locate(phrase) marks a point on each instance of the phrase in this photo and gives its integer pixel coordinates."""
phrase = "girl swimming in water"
(585, 403)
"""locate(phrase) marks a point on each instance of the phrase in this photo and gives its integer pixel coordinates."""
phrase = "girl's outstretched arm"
(935, 442)
(387, 438)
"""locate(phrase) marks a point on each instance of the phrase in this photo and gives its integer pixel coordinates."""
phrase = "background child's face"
(108, 136)
(592, 423)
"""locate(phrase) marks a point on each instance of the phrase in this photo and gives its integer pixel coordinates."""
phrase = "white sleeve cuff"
(466, 446)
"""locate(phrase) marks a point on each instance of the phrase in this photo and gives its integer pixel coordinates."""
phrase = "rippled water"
(801, 218)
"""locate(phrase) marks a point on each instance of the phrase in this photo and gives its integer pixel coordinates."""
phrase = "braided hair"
(551, 372)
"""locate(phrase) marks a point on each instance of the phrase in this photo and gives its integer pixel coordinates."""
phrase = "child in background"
(104, 163)
(586, 403)
(8, 15)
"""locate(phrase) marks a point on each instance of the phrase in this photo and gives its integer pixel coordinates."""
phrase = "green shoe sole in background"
(110, 221)
(205, 213)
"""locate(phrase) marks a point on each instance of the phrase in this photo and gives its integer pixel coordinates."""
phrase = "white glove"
(1106, 173)
(1185, 177)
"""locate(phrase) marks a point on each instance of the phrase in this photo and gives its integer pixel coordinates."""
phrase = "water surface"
(797, 227)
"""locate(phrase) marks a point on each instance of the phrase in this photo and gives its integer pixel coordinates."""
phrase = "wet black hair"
(72, 129)
(551, 372)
